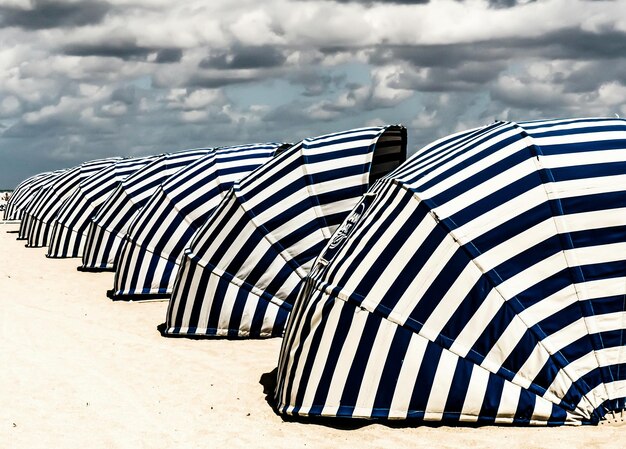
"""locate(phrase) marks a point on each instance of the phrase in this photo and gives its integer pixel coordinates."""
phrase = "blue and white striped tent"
(24, 202)
(483, 281)
(42, 210)
(23, 194)
(72, 221)
(110, 225)
(21, 189)
(153, 247)
(245, 265)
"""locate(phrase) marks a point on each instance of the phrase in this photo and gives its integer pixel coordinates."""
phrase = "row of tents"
(482, 280)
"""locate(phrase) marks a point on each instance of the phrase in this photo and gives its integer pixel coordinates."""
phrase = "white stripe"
(509, 400)
(493, 184)
(441, 387)
(376, 364)
(583, 158)
(475, 395)
(331, 323)
(408, 376)
(345, 360)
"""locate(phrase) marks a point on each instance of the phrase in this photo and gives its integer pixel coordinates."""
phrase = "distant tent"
(42, 210)
(24, 193)
(483, 281)
(154, 245)
(73, 219)
(109, 226)
(20, 190)
(245, 265)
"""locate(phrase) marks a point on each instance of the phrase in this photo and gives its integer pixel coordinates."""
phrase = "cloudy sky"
(81, 79)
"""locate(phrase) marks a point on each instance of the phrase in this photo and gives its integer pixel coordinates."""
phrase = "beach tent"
(483, 281)
(24, 193)
(20, 190)
(246, 263)
(109, 226)
(72, 221)
(154, 245)
(27, 198)
(42, 210)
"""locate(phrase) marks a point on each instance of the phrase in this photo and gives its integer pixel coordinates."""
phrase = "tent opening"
(389, 154)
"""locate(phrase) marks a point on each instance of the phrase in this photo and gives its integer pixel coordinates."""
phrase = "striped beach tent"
(40, 213)
(24, 193)
(109, 226)
(245, 265)
(484, 281)
(72, 221)
(154, 245)
(21, 189)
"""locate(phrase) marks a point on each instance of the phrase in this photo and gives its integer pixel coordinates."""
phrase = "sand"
(81, 371)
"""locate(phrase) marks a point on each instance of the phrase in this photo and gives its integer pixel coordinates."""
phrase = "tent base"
(148, 297)
(162, 328)
(94, 270)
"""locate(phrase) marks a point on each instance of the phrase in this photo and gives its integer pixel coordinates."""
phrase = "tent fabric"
(155, 241)
(23, 193)
(245, 265)
(40, 213)
(72, 222)
(25, 198)
(109, 226)
(20, 190)
(483, 281)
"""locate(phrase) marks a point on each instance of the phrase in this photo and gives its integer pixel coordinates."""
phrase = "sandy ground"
(79, 370)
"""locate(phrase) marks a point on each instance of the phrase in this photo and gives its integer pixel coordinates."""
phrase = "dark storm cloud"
(508, 3)
(467, 77)
(126, 50)
(386, 2)
(169, 55)
(579, 44)
(448, 55)
(263, 56)
(125, 94)
(572, 43)
(592, 75)
(492, 3)
(288, 115)
(209, 81)
(467, 66)
(237, 65)
(316, 83)
(45, 14)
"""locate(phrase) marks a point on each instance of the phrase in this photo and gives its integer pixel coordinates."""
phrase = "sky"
(80, 80)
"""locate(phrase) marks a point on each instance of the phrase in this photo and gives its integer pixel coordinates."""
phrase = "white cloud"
(612, 94)
(115, 109)
(195, 99)
(194, 116)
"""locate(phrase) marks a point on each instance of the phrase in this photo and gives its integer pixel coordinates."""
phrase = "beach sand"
(81, 371)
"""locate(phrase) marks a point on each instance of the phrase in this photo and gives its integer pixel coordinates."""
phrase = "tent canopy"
(72, 221)
(109, 226)
(26, 198)
(245, 264)
(24, 193)
(42, 210)
(483, 281)
(154, 245)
